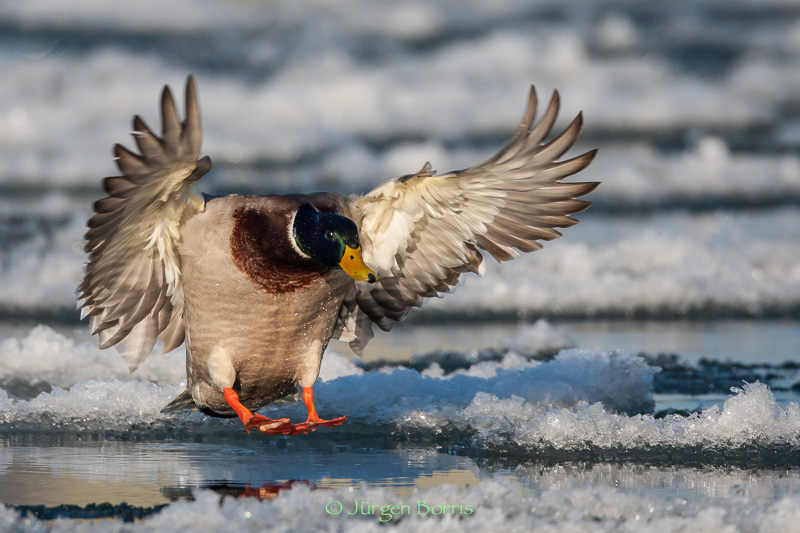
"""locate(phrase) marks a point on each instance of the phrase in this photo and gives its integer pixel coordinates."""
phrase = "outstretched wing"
(131, 288)
(421, 232)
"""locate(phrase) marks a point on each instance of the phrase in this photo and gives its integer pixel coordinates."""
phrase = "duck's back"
(251, 300)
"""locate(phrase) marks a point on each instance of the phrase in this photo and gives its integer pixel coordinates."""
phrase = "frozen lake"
(652, 434)
(640, 373)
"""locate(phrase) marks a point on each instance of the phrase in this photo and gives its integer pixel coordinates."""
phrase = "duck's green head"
(332, 241)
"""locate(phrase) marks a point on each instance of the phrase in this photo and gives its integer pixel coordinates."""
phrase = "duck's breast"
(237, 309)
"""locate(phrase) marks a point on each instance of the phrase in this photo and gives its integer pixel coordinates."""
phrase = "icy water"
(642, 373)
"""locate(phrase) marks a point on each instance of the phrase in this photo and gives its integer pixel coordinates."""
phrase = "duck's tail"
(182, 402)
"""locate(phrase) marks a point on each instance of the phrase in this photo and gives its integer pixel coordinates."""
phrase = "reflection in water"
(150, 474)
(266, 491)
(269, 491)
(67, 470)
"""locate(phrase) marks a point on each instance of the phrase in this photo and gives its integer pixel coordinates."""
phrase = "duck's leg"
(250, 420)
(313, 421)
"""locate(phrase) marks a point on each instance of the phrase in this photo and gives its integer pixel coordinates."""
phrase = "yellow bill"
(353, 264)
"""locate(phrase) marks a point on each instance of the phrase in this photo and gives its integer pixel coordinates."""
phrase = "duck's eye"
(330, 235)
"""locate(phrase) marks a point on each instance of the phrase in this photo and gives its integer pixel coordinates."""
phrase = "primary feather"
(421, 232)
(131, 288)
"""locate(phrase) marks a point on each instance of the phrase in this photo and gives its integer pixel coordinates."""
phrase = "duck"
(257, 285)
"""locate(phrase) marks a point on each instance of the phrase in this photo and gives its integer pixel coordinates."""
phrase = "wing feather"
(422, 231)
(131, 288)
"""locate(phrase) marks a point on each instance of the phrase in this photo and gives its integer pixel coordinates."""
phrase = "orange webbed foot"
(250, 420)
(268, 425)
(310, 425)
(280, 426)
(313, 421)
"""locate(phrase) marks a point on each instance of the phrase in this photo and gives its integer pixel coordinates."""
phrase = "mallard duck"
(257, 285)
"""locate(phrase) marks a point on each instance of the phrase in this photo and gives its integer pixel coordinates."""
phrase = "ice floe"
(751, 416)
(580, 398)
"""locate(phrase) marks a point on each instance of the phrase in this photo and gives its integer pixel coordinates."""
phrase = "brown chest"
(260, 248)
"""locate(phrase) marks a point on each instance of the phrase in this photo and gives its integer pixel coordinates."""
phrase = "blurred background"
(695, 107)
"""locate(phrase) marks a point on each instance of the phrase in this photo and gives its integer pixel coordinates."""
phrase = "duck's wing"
(421, 232)
(131, 288)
